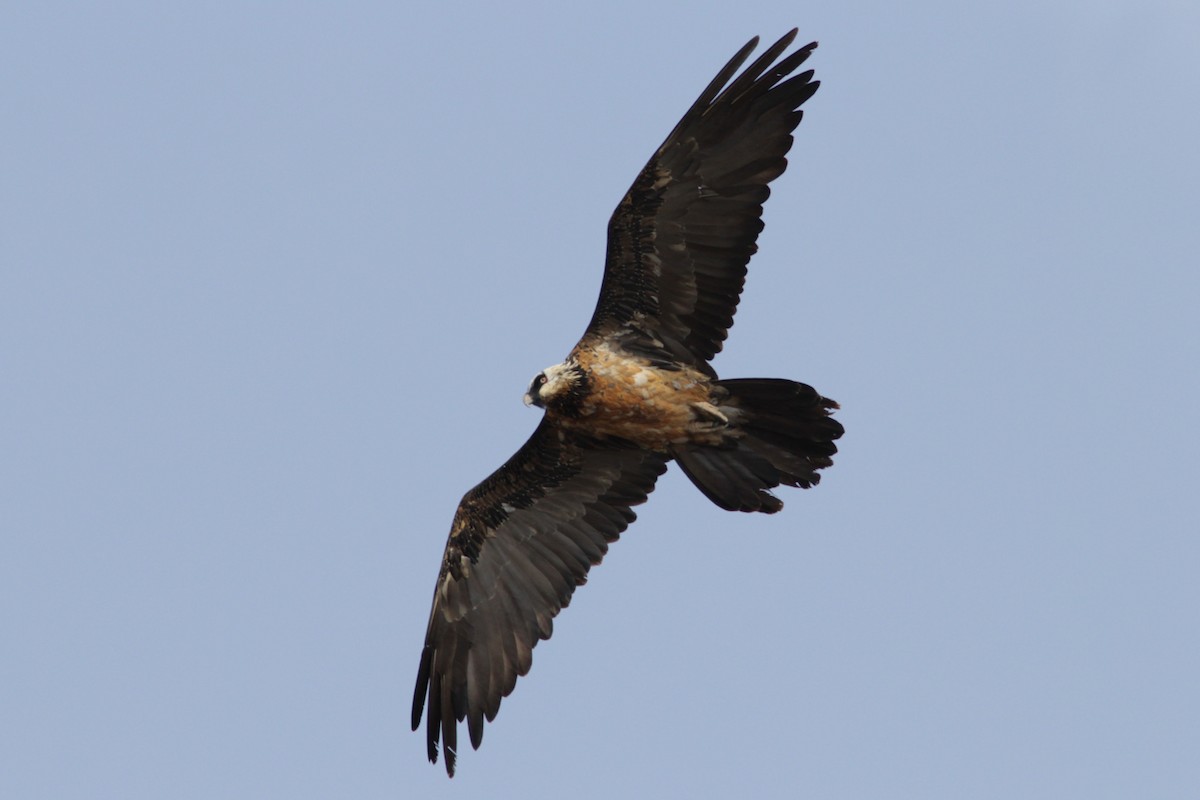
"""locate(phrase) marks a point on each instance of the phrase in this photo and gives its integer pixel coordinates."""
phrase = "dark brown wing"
(520, 543)
(679, 241)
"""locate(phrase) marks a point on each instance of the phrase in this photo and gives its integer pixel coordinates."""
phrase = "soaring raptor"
(636, 392)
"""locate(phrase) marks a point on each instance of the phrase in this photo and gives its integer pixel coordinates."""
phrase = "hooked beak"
(531, 400)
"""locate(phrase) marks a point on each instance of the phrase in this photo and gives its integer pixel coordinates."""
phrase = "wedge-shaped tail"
(780, 434)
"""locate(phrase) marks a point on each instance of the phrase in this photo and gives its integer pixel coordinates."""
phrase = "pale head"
(553, 383)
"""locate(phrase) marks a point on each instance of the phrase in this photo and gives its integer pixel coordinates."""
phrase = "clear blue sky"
(273, 278)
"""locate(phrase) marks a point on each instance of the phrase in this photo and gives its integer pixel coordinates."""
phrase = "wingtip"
(422, 687)
(784, 40)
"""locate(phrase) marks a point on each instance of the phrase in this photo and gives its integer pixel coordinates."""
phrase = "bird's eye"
(540, 380)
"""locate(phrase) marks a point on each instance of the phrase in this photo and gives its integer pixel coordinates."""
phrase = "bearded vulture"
(635, 393)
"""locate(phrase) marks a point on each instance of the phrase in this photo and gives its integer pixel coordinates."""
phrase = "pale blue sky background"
(273, 278)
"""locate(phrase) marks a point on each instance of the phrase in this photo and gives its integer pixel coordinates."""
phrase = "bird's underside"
(635, 393)
(627, 397)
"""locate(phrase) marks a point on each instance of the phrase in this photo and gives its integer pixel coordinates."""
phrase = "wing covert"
(520, 543)
(680, 239)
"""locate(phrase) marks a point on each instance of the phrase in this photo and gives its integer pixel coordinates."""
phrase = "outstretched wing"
(520, 543)
(679, 241)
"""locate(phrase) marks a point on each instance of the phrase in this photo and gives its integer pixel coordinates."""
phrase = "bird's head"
(558, 386)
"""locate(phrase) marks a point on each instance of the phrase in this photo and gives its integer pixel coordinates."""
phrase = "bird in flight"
(635, 393)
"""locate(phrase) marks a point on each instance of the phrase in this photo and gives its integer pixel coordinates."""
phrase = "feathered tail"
(781, 433)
